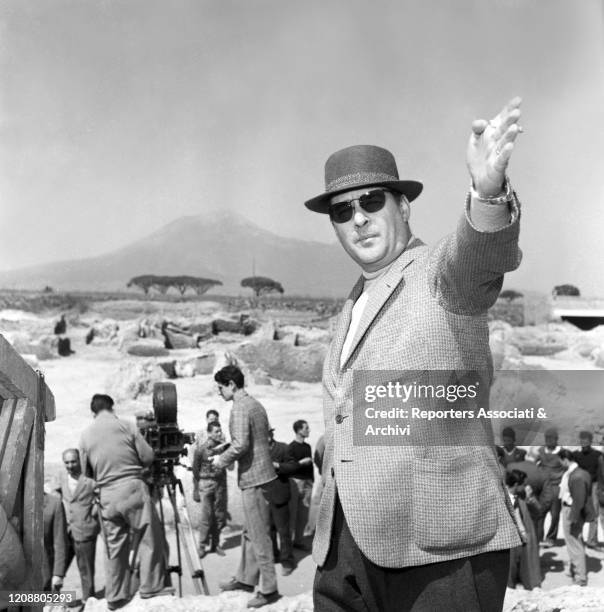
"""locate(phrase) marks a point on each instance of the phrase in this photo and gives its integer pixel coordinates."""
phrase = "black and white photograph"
(302, 305)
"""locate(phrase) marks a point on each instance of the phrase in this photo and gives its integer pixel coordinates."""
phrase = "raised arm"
(467, 267)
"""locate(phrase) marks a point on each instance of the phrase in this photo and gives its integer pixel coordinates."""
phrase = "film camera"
(160, 429)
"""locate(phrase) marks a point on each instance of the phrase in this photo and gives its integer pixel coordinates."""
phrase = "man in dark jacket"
(284, 465)
(540, 492)
(55, 542)
(548, 457)
(301, 484)
(588, 459)
(577, 509)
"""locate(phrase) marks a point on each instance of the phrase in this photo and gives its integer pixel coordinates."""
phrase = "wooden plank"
(6, 420)
(18, 378)
(5, 393)
(33, 499)
(15, 453)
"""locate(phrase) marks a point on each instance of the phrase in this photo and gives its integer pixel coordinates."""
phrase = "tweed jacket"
(80, 511)
(248, 428)
(414, 505)
(579, 485)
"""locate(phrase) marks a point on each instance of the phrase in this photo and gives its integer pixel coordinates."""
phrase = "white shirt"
(72, 483)
(565, 495)
(371, 280)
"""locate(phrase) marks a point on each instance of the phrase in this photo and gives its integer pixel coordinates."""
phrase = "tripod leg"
(188, 540)
(172, 496)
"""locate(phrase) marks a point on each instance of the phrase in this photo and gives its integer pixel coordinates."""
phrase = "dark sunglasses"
(370, 202)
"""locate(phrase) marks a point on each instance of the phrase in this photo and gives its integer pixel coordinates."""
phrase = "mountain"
(226, 247)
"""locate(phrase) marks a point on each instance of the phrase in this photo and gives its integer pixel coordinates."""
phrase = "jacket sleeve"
(467, 267)
(579, 491)
(287, 464)
(319, 452)
(239, 426)
(145, 452)
(84, 463)
(600, 480)
(59, 527)
(196, 464)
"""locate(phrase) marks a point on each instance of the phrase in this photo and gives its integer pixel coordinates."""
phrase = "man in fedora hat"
(416, 527)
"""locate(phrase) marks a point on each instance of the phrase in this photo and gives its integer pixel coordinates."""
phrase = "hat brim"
(410, 189)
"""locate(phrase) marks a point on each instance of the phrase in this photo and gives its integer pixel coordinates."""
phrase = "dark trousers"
(552, 532)
(85, 553)
(349, 582)
(280, 525)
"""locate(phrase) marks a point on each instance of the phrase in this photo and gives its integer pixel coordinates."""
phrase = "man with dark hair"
(301, 483)
(248, 428)
(114, 453)
(77, 494)
(416, 526)
(588, 458)
(577, 509)
(509, 452)
(210, 488)
(201, 436)
(524, 560)
(548, 456)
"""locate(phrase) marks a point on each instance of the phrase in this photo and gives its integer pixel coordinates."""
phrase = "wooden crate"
(26, 403)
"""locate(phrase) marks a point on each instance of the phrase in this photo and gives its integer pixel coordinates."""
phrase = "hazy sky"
(118, 116)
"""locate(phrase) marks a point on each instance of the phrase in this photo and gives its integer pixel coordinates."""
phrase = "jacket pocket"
(454, 503)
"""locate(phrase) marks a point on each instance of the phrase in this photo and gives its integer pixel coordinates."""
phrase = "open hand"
(490, 148)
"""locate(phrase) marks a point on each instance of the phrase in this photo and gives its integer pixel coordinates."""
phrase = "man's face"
(508, 442)
(551, 440)
(215, 434)
(374, 240)
(305, 431)
(212, 417)
(585, 442)
(226, 391)
(72, 464)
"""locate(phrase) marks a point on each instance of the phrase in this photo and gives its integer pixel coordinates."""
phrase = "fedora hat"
(361, 166)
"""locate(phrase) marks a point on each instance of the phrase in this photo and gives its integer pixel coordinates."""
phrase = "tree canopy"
(261, 285)
(567, 289)
(163, 283)
(510, 294)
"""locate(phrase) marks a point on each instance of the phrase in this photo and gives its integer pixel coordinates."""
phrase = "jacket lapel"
(79, 486)
(342, 328)
(379, 296)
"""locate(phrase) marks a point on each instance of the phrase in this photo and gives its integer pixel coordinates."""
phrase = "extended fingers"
(501, 156)
(479, 126)
(509, 114)
(509, 135)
